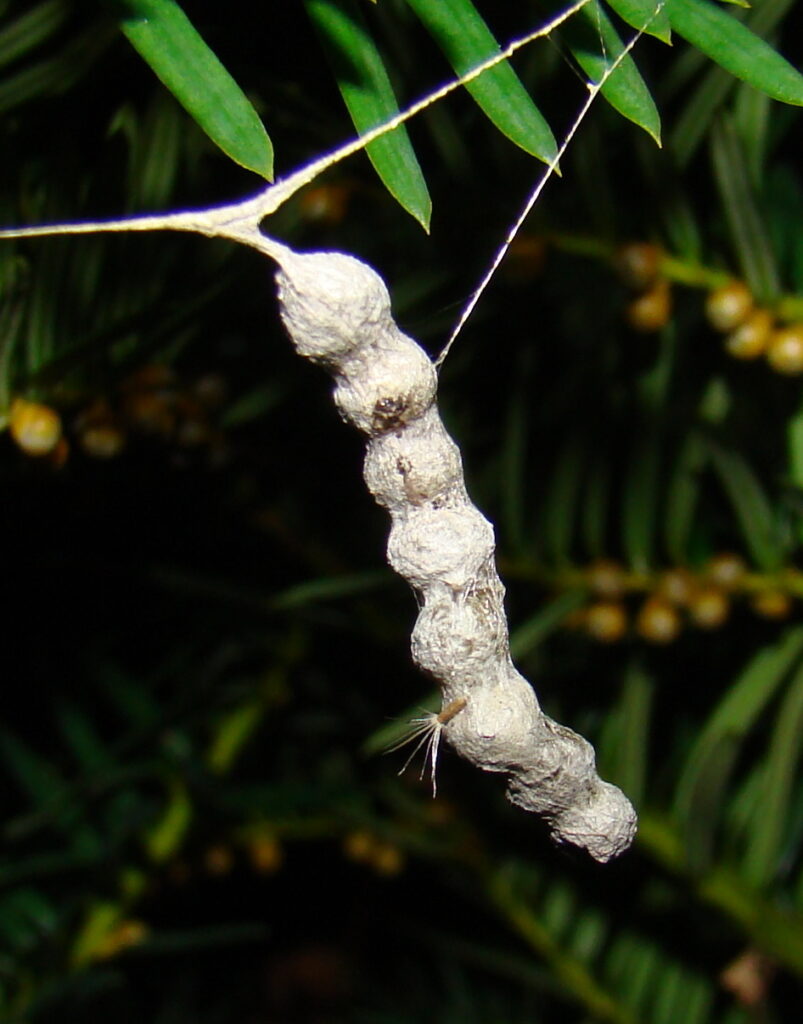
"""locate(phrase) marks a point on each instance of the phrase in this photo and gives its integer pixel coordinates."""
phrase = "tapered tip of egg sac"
(330, 303)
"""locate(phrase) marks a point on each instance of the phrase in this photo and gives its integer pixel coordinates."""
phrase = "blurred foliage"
(204, 650)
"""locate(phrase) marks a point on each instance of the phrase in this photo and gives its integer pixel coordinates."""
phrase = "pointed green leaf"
(26, 917)
(623, 746)
(328, 588)
(640, 500)
(165, 38)
(734, 47)
(682, 496)
(30, 30)
(466, 40)
(596, 45)
(794, 447)
(526, 637)
(82, 737)
(232, 733)
(686, 478)
(751, 122)
(131, 699)
(167, 834)
(645, 15)
(560, 502)
(595, 507)
(702, 792)
(751, 505)
(747, 228)
(774, 811)
(366, 90)
(705, 800)
(56, 75)
(738, 710)
(36, 775)
(692, 124)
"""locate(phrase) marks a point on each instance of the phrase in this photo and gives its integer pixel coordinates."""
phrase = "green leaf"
(686, 477)
(595, 507)
(794, 446)
(30, 30)
(751, 122)
(774, 811)
(82, 737)
(167, 834)
(466, 40)
(55, 76)
(560, 503)
(682, 495)
(640, 499)
(329, 588)
(631, 767)
(596, 45)
(37, 776)
(704, 801)
(25, 918)
(692, 124)
(526, 637)
(366, 90)
(747, 229)
(155, 166)
(709, 764)
(131, 699)
(645, 15)
(734, 47)
(751, 505)
(232, 733)
(166, 40)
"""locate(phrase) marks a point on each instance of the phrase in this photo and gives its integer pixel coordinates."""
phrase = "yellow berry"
(218, 860)
(606, 621)
(152, 412)
(638, 263)
(606, 578)
(359, 845)
(658, 621)
(709, 608)
(265, 854)
(772, 604)
(123, 936)
(151, 377)
(102, 440)
(726, 570)
(785, 350)
(677, 585)
(387, 859)
(131, 933)
(36, 428)
(651, 310)
(750, 339)
(729, 306)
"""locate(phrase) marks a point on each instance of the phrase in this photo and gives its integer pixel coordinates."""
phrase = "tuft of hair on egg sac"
(428, 730)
